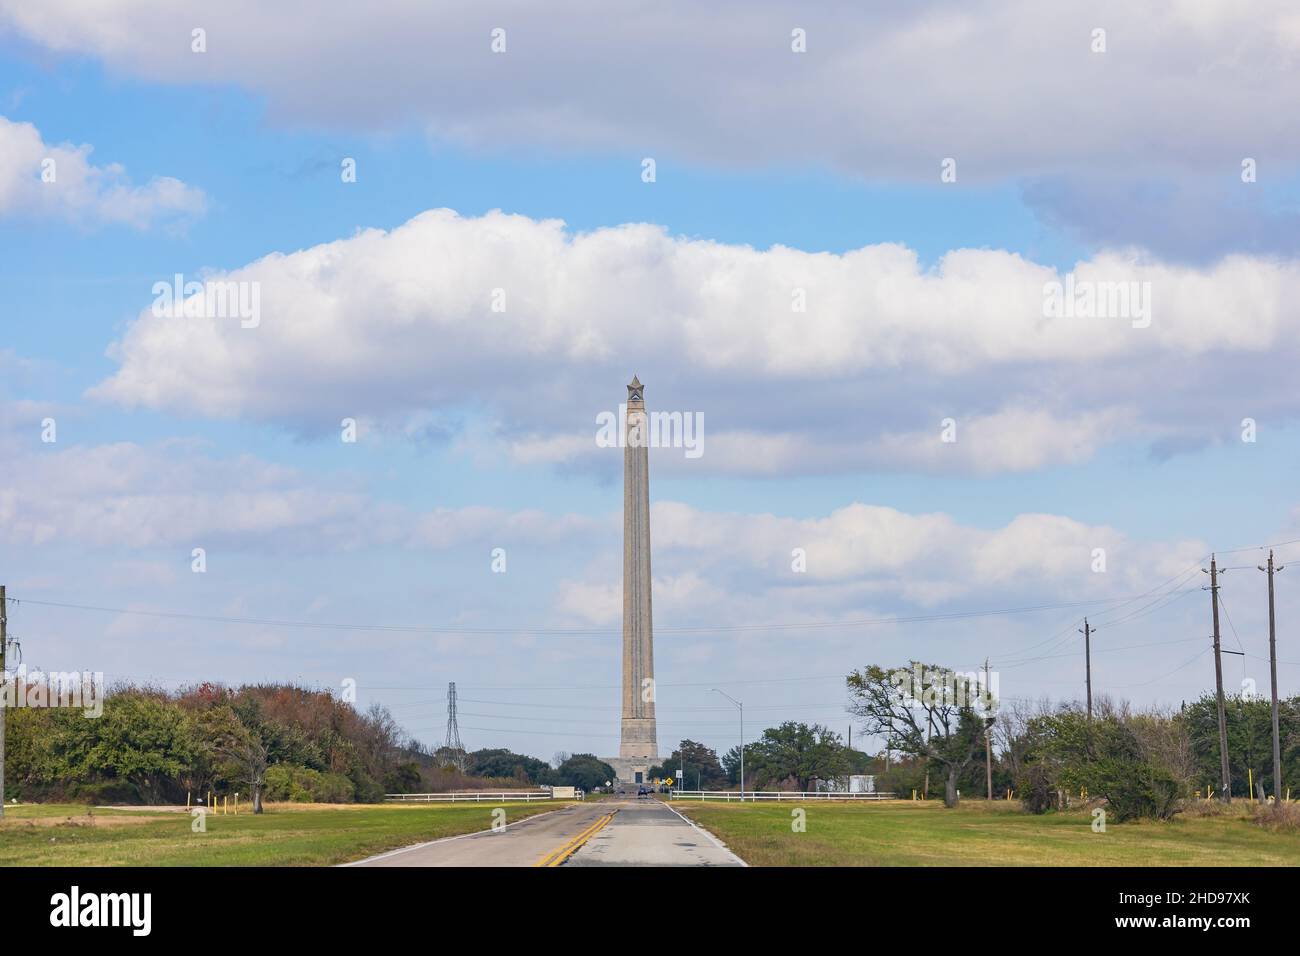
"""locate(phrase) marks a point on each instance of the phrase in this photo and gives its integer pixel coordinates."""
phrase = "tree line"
(283, 742)
(1143, 763)
(264, 741)
(276, 742)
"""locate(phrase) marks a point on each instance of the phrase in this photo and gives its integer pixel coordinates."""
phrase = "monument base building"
(638, 749)
(630, 770)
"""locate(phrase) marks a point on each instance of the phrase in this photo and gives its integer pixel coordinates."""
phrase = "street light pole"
(741, 706)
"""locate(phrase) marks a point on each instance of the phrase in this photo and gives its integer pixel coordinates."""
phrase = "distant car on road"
(642, 792)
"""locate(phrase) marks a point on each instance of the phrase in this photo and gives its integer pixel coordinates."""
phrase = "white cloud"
(1007, 86)
(861, 558)
(172, 495)
(391, 326)
(40, 179)
(129, 500)
(1007, 440)
(882, 547)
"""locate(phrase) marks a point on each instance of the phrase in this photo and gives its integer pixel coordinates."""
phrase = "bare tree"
(1011, 732)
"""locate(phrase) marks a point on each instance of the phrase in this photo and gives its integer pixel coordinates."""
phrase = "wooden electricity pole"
(1087, 659)
(988, 734)
(1225, 782)
(1272, 666)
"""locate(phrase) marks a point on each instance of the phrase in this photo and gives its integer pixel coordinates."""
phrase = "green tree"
(731, 765)
(234, 736)
(799, 752)
(30, 734)
(505, 763)
(1250, 741)
(925, 711)
(404, 778)
(140, 739)
(585, 771)
(1108, 756)
(700, 763)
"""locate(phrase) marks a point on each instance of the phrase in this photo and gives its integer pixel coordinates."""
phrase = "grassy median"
(285, 835)
(979, 833)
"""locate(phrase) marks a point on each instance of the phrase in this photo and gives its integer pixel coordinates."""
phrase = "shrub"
(404, 778)
(334, 788)
(108, 791)
(1134, 788)
(1038, 789)
(902, 779)
(1278, 816)
(290, 784)
(1107, 756)
(362, 787)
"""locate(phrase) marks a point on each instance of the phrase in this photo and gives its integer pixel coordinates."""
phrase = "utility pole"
(988, 733)
(1225, 783)
(1087, 657)
(1272, 666)
(741, 707)
(4, 641)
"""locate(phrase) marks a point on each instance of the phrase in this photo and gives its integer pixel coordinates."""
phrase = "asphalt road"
(600, 833)
(648, 833)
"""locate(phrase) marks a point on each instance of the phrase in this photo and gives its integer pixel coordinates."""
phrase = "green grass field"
(902, 833)
(285, 835)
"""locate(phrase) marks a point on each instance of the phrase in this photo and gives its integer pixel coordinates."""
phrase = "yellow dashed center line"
(556, 857)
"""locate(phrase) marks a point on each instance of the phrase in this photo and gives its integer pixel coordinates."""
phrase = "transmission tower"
(453, 748)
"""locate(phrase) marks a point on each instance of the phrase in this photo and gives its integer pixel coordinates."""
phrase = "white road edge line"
(461, 836)
(716, 842)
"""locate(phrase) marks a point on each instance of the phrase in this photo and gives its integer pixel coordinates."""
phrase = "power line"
(1125, 647)
(567, 631)
(1262, 547)
(1184, 664)
(1232, 627)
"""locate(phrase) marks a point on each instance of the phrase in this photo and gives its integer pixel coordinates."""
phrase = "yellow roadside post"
(225, 805)
(187, 799)
(236, 803)
(1250, 784)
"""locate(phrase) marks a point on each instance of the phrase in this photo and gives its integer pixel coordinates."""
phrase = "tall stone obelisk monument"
(639, 748)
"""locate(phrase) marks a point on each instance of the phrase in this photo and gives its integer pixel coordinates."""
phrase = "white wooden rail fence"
(777, 795)
(471, 796)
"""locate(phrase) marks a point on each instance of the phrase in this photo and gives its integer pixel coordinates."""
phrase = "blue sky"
(821, 433)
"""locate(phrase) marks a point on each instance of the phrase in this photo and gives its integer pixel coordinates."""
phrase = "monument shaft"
(639, 738)
(638, 745)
